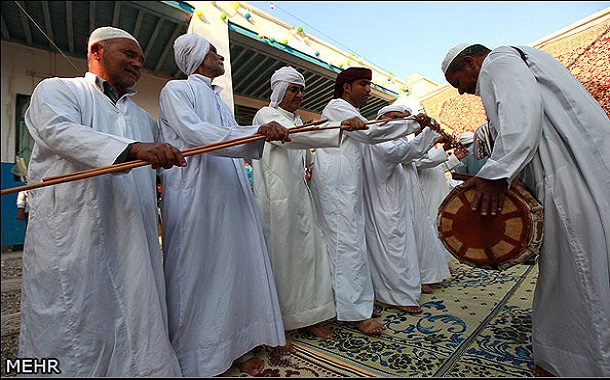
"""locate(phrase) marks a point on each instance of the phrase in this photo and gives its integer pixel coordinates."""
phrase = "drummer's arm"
(490, 194)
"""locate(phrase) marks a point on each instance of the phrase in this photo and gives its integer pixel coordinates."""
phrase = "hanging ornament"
(271, 6)
(261, 36)
(300, 29)
(317, 53)
(236, 5)
(199, 13)
(272, 40)
(223, 16)
(284, 42)
(247, 16)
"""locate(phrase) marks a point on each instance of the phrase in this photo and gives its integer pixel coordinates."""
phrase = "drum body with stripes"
(491, 242)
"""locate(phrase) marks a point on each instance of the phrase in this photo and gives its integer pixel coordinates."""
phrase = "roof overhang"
(64, 26)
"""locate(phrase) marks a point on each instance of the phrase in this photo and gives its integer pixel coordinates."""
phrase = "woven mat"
(476, 324)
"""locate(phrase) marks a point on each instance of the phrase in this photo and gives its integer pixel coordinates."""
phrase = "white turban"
(190, 51)
(451, 56)
(466, 138)
(108, 33)
(280, 80)
(392, 108)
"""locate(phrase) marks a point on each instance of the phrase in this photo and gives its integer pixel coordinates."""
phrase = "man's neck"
(349, 100)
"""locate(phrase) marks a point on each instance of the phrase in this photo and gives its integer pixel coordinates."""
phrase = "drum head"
(491, 242)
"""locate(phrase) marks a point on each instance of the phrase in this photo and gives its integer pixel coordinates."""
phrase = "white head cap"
(280, 80)
(190, 51)
(453, 52)
(108, 33)
(466, 138)
(391, 108)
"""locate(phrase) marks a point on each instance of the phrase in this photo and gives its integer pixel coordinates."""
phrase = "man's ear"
(96, 51)
(346, 87)
(469, 62)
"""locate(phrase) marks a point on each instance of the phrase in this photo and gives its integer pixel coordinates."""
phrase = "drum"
(491, 242)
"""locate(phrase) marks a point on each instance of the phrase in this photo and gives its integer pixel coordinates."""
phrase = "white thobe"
(337, 189)
(93, 295)
(554, 135)
(432, 255)
(390, 229)
(431, 169)
(295, 241)
(221, 295)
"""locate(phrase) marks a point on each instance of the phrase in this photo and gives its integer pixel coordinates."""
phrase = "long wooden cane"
(137, 163)
(49, 181)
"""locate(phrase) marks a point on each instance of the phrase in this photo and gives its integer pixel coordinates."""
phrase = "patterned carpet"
(476, 324)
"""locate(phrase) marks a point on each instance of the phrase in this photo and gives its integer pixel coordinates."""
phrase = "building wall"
(583, 47)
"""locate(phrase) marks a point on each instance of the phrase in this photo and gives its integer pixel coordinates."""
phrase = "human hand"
(274, 131)
(489, 196)
(460, 152)
(440, 139)
(157, 154)
(423, 120)
(353, 124)
(21, 213)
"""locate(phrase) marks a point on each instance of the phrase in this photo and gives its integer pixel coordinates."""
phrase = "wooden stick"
(137, 163)
(461, 176)
(186, 152)
(124, 166)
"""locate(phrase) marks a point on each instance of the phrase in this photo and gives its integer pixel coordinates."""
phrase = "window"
(23, 141)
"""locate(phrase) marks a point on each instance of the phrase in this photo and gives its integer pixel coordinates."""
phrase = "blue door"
(13, 229)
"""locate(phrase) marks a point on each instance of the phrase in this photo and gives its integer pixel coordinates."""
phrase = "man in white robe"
(390, 222)
(431, 254)
(93, 295)
(222, 300)
(552, 134)
(295, 241)
(431, 169)
(337, 188)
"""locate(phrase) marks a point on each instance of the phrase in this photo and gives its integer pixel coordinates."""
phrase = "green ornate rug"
(476, 324)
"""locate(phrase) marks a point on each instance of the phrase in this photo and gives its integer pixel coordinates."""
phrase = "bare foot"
(369, 326)
(540, 372)
(426, 289)
(253, 366)
(285, 350)
(410, 309)
(376, 313)
(319, 331)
